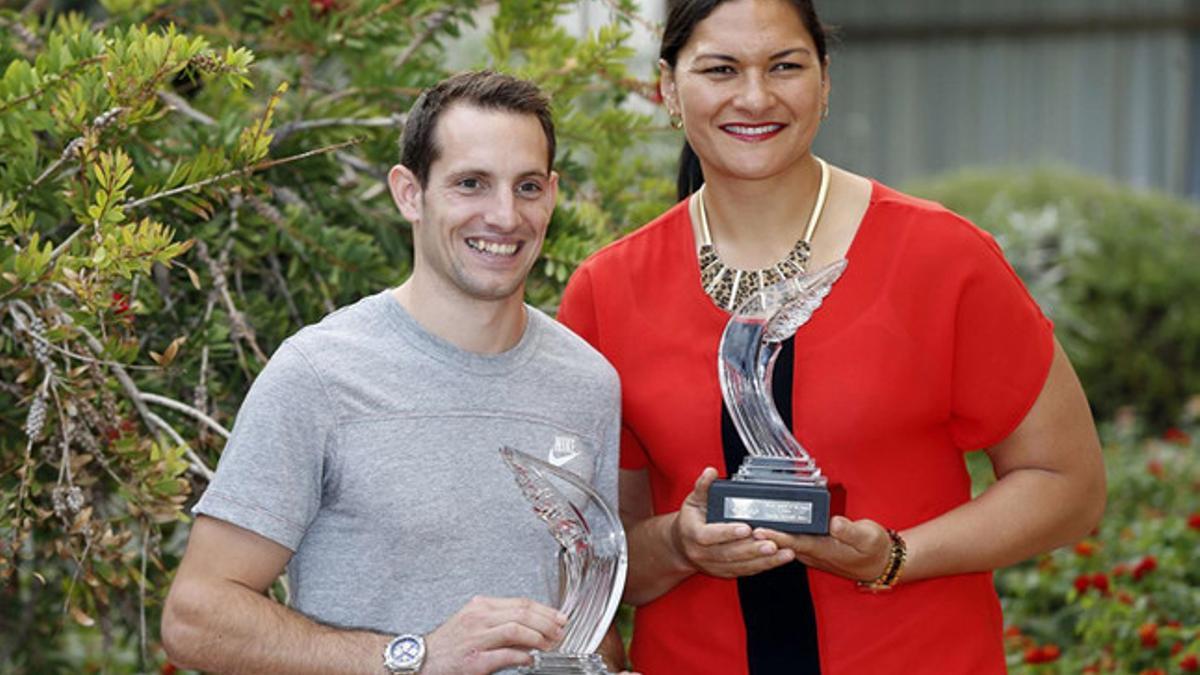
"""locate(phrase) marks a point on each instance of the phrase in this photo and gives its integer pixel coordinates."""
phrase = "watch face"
(405, 652)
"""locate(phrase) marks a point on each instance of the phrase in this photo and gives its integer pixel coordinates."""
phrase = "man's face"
(479, 223)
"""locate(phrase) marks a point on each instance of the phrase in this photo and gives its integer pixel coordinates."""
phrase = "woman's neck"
(755, 223)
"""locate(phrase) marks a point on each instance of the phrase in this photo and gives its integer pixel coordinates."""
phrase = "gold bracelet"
(890, 575)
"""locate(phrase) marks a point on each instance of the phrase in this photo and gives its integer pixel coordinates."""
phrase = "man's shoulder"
(349, 327)
(561, 348)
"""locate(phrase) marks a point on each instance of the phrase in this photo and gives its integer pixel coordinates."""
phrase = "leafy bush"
(1116, 269)
(184, 184)
(1127, 598)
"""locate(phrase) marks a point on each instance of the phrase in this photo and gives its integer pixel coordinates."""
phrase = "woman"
(927, 347)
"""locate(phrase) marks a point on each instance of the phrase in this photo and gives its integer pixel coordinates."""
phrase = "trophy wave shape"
(593, 558)
(749, 346)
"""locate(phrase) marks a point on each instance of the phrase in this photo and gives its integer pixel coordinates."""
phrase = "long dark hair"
(682, 18)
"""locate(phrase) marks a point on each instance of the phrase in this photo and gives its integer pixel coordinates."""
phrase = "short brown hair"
(484, 89)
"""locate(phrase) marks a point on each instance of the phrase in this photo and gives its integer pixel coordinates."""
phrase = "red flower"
(1100, 581)
(1012, 631)
(1176, 648)
(1189, 663)
(1194, 521)
(321, 7)
(1174, 623)
(1177, 436)
(1082, 583)
(119, 304)
(1124, 598)
(167, 669)
(1144, 567)
(1120, 570)
(1043, 654)
(1153, 671)
(1148, 633)
(1155, 468)
(1085, 548)
(656, 95)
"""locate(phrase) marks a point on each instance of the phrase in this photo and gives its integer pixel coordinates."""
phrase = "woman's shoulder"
(927, 219)
(887, 199)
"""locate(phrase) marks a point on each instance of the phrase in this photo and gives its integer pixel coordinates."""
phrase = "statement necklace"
(727, 285)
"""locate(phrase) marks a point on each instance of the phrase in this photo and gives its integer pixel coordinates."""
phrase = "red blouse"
(928, 346)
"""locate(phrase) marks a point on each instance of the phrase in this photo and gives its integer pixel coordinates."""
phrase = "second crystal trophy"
(778, 485)
(592, 561)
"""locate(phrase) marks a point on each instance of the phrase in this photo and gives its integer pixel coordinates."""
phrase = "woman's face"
(750, 88)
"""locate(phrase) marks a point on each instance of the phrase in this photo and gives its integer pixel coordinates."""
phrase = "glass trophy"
(778, 485)
(592, 561)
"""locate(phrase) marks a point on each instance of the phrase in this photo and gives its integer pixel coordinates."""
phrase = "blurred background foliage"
(184, 184)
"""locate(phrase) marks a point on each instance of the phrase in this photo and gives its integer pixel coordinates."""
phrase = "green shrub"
(1127, 598)
(182, 185)
(1116, 269)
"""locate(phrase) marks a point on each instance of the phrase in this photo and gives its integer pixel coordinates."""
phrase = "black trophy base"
(798, 509)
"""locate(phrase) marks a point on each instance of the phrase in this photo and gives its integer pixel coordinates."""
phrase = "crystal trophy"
(592, 561)
(778, 485)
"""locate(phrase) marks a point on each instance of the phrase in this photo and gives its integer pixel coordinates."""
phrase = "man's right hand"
(724, 550)
(489, 634)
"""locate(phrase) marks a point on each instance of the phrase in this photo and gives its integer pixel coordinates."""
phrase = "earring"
(825, 111)
(676, 121)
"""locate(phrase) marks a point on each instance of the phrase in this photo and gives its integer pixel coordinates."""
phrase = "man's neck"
(479, 326)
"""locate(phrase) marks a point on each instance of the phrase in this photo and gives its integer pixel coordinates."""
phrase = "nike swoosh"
(563, 451)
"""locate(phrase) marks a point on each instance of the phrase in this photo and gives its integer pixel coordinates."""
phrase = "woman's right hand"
(725, 550)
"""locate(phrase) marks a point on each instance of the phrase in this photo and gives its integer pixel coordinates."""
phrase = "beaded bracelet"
(890, 575)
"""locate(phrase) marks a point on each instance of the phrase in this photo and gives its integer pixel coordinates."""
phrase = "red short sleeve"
(1002, 349)
(578, 312)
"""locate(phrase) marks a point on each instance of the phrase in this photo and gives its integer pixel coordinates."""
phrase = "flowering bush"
(1127, 598)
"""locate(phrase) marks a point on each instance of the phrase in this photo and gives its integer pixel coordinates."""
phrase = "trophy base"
(554, 663)
(798, 509)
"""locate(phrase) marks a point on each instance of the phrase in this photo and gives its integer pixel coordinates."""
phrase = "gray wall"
(1109, 86)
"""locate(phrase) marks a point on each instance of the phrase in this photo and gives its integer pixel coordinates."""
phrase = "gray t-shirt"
(369, 447)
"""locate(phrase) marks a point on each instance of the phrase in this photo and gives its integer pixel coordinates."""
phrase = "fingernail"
(742, 531)
(767, 547)
(785, 555)
(562, 618)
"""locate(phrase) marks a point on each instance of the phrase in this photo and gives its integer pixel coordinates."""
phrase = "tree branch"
(655, 29)
(241, 329)
(51, 81)
(181, 106)
(181, 407)
(244, 171)
(395, 120)
(195, 464)
(432, 24)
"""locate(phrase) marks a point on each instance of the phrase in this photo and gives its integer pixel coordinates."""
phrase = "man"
(365, 457)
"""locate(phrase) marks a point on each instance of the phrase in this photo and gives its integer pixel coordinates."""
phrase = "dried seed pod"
(35, 420)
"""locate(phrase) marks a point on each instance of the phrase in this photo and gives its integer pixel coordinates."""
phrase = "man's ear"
(406, 192)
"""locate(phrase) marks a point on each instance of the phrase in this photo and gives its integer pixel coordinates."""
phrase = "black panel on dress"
(777, 608)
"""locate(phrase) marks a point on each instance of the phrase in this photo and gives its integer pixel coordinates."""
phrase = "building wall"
(1108, 86)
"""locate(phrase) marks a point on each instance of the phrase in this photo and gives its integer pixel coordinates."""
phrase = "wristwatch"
(404, 655)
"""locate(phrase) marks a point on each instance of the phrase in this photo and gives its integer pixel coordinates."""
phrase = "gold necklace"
(726, 285)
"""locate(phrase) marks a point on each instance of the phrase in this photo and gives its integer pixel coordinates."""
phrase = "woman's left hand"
(855, 549)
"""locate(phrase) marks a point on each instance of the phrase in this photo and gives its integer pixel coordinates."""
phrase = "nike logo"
(564, 450)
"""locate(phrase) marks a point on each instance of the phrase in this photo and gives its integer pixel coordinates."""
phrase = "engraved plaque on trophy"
(592, 561)
(778, 485)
